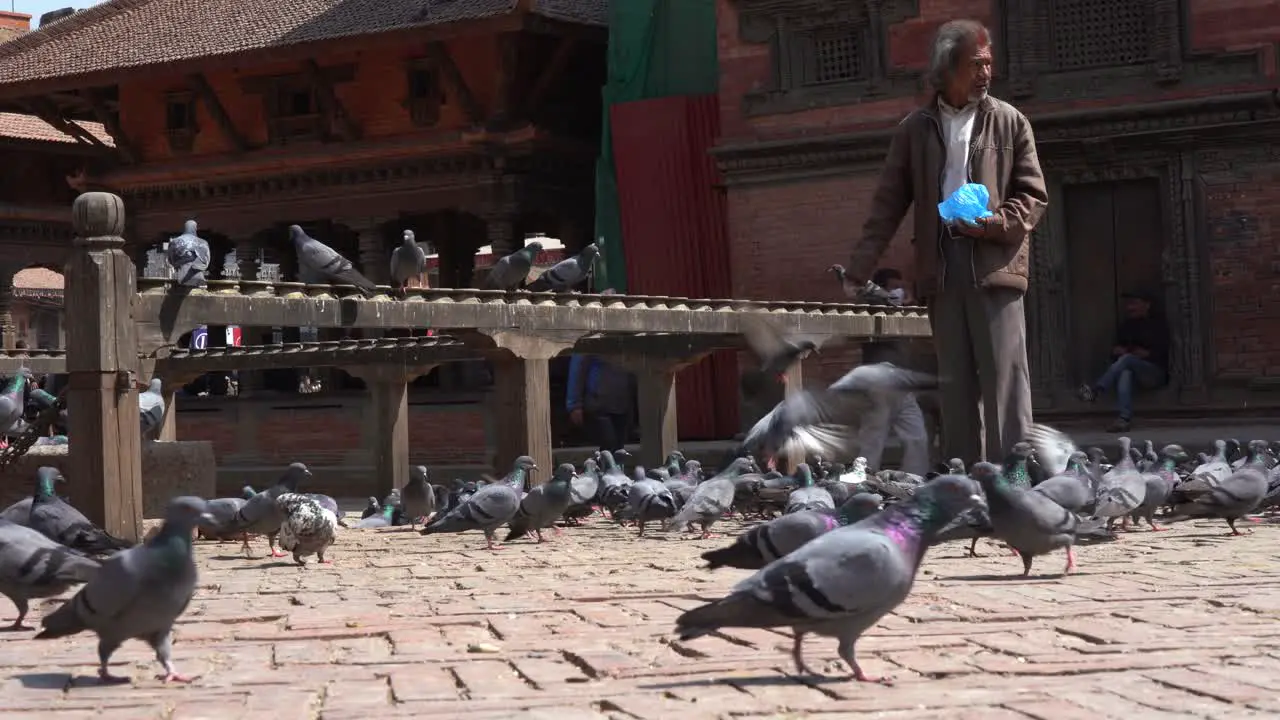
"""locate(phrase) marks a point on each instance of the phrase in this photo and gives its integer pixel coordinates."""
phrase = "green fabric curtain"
(657, 48)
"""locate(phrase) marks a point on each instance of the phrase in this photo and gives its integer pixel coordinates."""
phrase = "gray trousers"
(900, 414)
(980, 335)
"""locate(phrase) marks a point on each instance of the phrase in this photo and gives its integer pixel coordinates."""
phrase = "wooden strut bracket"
(552, 71)
(111, 122)
(454, 82)
(330, 105)
(47, 111)
(209, 98)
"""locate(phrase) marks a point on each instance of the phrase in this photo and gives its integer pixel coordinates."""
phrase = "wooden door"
(1114, 242)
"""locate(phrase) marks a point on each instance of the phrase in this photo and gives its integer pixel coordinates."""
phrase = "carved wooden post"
(8, 328)
(389, 445)
(102, 359)
(656, 400)
(522, 400)
(171, 383)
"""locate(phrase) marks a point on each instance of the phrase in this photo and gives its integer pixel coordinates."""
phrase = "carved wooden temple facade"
(473, 123)
(1157, 125)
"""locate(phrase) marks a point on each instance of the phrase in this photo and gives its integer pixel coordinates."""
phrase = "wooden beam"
(328, 101)
(504, 83)
(552, 71)
(219, 113)
(46, 110)
(111, 122)
(454, 82)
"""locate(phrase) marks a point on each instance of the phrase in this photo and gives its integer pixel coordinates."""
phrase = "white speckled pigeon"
(1233, 498)
(407, 261)
(544, 504)
(261, 514)
(57, 520)
(189, 256)
(307, 529)
(567, 274)
(512, 270)
(151, 408)
(840, 584)
(318, 262)
(138, 593)
(33, 566)
(418, 498)
(491, 507)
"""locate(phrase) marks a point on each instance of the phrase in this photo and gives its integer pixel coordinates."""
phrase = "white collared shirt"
(957, 128)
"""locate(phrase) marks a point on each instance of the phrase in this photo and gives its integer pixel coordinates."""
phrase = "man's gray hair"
(953, 41)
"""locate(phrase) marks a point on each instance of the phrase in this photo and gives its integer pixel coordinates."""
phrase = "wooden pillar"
(8, 328)
(500, 233)
(102, 361)
(656, 401)
(389, 443)
(522, 414)
(171, 383)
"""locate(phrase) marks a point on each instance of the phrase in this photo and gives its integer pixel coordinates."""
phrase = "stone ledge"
(168, 469)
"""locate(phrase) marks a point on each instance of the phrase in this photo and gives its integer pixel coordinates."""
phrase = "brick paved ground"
(1177, 624)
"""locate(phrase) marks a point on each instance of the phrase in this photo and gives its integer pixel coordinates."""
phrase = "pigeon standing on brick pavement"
(650, 500)
(33, 566)
(512, 270)
(307, 528)
(407, 261)
(221, 511)
(783, 535)
(491, 507)
(418, 497)
(318, 262)
(261, 514)
(1233, 498)
(57, 520)
(151, 408)
(712, 499)
(189, 256)
(568, 273)
(840, 584)
(544, 504)
(138, 593)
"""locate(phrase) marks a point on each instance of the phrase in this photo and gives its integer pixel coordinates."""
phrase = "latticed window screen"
(836, 55)
(1100, 33)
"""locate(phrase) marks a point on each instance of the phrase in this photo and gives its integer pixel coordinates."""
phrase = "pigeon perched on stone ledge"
(318, 262)
(512, 270)
(567, 274)
(189, 255)
(407, 261)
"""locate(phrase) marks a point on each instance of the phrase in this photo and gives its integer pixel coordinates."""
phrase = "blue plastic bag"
(966, 204)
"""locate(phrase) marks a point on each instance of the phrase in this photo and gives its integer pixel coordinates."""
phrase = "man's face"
(973, 76)
(1136, 307)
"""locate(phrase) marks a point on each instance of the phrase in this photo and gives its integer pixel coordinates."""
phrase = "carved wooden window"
(292, 112)
(180, 120)
(1100, 33)
(425, 94)
(825, 55)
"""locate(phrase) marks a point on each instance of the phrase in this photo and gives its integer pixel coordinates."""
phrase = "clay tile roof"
(132, 33)
(30, 127)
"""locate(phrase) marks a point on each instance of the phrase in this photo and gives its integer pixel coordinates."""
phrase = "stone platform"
(1179, 624)
(169, 469)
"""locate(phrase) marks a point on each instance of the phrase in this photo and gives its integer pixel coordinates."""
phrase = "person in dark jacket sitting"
(1139, 360)
(599, 398)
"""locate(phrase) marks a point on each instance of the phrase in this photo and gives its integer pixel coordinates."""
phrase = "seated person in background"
(892, 411)
(1140, 358)
(600, 398)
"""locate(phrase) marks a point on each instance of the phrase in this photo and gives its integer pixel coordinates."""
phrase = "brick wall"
(786, 234)
(254, 438)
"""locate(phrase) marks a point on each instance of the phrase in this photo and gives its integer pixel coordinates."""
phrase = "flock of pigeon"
(190, 258)
(21, 396)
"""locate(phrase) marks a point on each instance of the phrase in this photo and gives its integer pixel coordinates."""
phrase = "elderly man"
(972, 277)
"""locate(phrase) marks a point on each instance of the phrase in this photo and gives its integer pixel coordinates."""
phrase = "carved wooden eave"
(47, 110)
(454, 82)
(336, 116)
(1198, 119)
(111, 123)
(773, 22)
(213, 104)
(551, 72)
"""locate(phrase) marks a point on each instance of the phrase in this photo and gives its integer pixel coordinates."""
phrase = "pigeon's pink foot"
(1253, 519)
(326, 562)
(177, 678)
(863, 677)
(557, 530)
(1157, 528)
(278, 553)
(1071, 561)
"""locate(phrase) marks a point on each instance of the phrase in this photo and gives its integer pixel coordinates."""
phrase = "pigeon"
(512, 270)
(1234, 497)
(138, 593)
(151, 408)
(491, 507)
(808, 496)
(13, 401)
(307, 528)
(373, 508)
(774, 351)
(1074, 488)
(221, 510)
(1160, 481)
(1031, 523)
(318, 262)
(583, 491)
(189, 256)
(543, 505)
(650, 500)
(711, 500)
(384, 517)
(261, 514)
(567, 274)
(417, 499)
(33, 566)
(782, 536)
(59, 521)
(407, 261)
(326, 502)
(842, 583)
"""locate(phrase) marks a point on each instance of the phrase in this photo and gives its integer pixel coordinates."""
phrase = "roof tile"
(30, 127)
(122, 34)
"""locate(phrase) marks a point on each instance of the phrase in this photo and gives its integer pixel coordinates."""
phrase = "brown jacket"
(1002, 156)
